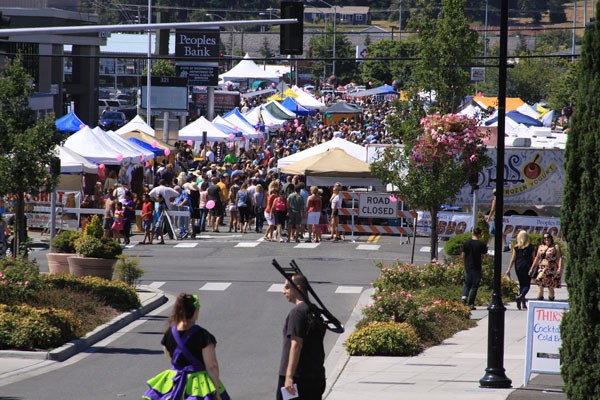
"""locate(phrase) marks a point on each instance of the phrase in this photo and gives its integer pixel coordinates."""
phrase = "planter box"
(90, 266)
(57, 262)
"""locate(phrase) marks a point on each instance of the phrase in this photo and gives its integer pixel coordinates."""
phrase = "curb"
(338, 358)
(156, 299)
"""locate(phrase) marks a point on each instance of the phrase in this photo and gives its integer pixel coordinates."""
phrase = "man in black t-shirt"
(303, 355)
(472, 251)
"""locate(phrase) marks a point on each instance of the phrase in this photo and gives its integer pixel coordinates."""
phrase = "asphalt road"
(242, 305)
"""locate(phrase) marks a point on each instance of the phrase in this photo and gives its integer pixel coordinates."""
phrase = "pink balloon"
(321, 126)
(142, 158)
(167, 152)
(101, 166)
(210, 204)
(296, 121)
(236, 128)
(231, 136)
(81, 126)
(119, 157)
(393, 198)
(153, 144)
(147, 164)
(298, 129)
(190, 142)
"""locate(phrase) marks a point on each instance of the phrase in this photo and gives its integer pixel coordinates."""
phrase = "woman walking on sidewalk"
(549, 266)
(522, 258)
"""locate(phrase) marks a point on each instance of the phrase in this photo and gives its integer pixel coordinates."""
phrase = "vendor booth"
(334, 165)
(355, 150)
(341, 111)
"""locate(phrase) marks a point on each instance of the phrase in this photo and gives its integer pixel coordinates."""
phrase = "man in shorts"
(108, 215)
(296, 209)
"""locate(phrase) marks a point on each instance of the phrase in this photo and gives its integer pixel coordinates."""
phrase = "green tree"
(322, 49)
(265, 48)
(26, 146)
(160, 68)
(580, 219)
(393, 64)
(436, 161)
(447, 47)
(564, 89)
(533, 78)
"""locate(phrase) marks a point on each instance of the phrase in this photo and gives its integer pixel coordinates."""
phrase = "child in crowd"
(147, 214)
(117, 226)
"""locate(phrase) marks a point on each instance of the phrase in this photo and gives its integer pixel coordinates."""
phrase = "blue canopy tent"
(378, 91)
(518, 118)
(156, 150)
(295, 107)
(69, 123)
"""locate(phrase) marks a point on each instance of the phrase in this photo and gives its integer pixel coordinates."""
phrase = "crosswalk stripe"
(368, 247)
(156, 285)
(247, 244)
(427, 249)
(276, 287)
(306, 245)
(186, 245)
(215, 286)
(349, 289)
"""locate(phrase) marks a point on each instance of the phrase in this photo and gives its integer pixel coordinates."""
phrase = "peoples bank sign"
(197, 44)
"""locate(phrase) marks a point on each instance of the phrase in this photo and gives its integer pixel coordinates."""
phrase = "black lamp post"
(494, 373)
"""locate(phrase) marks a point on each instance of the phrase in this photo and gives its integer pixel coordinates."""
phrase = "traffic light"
(291, 36)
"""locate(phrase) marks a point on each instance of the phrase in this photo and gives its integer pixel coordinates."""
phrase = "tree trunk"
(20, 228)
(434, 233)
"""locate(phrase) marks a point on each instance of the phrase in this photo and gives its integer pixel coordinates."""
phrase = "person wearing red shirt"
(147, 216)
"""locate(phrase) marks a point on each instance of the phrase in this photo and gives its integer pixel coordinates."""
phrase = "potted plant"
(63, 246)
(95, 257)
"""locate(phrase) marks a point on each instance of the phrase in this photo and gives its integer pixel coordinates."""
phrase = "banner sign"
(532, 177)
(198, 73)
(451, 224)
(543, 337)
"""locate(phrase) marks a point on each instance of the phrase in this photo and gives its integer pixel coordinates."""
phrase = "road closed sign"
(377, 205)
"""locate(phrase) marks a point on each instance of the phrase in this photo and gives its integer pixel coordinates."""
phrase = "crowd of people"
(237, 181)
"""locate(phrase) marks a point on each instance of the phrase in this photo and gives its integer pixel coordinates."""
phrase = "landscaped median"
(415, 307)
(41, 313)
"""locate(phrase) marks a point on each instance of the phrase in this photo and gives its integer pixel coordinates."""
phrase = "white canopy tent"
(355, 150)
(136, 124)
(131, 148)
(194, 131)
(73, 163)
(247, 69)
(306, 100)
(100, 147)
(236, 119)
(284, 110)
(255, 115)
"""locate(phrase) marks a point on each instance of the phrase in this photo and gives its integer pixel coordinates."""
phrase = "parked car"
(104, 103)
(112, 120)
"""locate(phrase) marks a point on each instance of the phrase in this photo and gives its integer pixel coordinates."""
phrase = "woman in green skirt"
(194, 372)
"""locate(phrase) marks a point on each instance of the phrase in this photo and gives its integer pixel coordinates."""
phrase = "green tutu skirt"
(199, 386)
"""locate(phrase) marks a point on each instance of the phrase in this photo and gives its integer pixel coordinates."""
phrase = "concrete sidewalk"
(451, 370)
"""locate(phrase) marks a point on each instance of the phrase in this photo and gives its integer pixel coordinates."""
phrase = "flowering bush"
(383, 339)
(449, 138)
(19, 279)
(25, 327)
(410, 276)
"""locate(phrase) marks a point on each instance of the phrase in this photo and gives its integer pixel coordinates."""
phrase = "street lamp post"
(334, 30)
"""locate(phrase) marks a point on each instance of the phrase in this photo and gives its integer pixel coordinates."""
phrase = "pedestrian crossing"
(273, 288)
